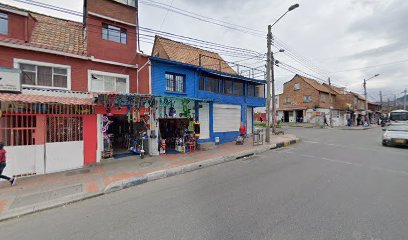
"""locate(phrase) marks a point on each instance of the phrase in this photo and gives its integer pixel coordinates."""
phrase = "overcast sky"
(347, 40)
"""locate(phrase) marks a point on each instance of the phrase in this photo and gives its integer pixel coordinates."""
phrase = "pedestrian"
(242, 130)
(3, 165)
(261, 119)
(325, 121)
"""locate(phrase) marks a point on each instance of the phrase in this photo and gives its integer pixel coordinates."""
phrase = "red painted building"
(50, 70)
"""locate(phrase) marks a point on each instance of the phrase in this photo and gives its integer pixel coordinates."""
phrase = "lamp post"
(271, 79)
(365, 93)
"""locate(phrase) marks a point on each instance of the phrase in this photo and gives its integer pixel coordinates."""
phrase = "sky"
(346, 40)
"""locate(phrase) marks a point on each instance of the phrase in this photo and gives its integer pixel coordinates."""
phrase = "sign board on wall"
(10, 80)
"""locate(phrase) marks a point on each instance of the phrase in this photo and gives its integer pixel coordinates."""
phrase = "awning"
(30, 98)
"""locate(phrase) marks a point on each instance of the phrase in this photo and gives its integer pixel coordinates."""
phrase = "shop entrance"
(299, 116)
(177, 134)
(123, 135)
(286, 116)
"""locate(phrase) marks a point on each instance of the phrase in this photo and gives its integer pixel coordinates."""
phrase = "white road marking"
(399, 172)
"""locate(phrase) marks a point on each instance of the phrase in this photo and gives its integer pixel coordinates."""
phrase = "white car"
(396, 134)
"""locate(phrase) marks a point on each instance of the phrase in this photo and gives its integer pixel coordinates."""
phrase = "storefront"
(46, 134)
(130, 124)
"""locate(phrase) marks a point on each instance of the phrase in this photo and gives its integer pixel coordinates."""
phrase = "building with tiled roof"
(180, 52)
(50, 72)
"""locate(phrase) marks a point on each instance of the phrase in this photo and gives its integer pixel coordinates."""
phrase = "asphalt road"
(336, 184)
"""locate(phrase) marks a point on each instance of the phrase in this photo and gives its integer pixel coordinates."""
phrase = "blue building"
(218, 97)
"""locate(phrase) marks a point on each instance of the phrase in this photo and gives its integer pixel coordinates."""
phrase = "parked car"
(396, 134)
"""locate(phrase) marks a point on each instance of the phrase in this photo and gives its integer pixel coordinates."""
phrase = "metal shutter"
(227, 118)
(204, 118)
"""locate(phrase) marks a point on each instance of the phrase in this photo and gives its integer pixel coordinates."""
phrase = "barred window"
(239, 88)
(228, 86)
(201, 85)
(64, 129)
(175, 82)
(18, 130)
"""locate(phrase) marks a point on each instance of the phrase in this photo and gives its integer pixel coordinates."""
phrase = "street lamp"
(365, 93)
(271, 78)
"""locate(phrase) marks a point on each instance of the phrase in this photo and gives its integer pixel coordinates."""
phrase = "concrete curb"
(357, 129)
(131, 182)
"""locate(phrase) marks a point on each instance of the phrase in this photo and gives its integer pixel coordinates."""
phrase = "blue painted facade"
(192, 75)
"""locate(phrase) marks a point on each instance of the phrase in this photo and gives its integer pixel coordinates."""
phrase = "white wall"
(63, 156)
(24, 160)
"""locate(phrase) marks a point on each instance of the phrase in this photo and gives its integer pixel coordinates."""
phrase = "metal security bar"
(18, 130)
(45, 108)
(64, 129)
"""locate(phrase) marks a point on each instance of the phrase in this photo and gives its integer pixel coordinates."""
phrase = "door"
(249, 120)
(204, 118)
(227, 118)
(64, 148)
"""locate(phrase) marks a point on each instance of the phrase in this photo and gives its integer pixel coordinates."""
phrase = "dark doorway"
(285, 116)
(299, 116)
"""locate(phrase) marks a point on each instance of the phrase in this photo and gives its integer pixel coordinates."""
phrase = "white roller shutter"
(227, 118)
(249, 120)
(204, 118)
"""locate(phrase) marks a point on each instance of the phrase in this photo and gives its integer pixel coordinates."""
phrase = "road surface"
(336, 184)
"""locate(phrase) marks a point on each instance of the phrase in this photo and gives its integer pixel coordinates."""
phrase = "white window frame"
(296, 87)
(109, 74)
(307, 98)
(17, 62)
(322, 98)
(6, 17)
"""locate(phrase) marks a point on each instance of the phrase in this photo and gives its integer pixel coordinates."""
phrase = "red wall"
(17, 26)
(79, 68)
(90, 139)
(109, 50)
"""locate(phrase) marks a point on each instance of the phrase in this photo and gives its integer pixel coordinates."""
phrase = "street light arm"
(279, 18)
(376, 75)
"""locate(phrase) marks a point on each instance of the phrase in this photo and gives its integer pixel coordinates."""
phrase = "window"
(287, 100)
(3, 23)
(106, 83)
(114, 34)
(44, 75)
(296, 87)
(251, 90)
(18, 130)
(307, 99)
(213, 85)
(201, 85)
(239, 88)
(322, 98)
(174, 82)
(260, 91)
(64, 129)
(228, 86)
(128, 2)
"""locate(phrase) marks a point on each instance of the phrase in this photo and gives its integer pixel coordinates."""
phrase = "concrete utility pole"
(365, 95)
(273, 93)
(381, 99)
(388, 104)
(268, 85)
(405, 99)
(270, 78)
(330, 105)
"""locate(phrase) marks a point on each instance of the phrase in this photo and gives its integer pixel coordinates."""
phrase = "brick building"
(306, 100)
(51, 69)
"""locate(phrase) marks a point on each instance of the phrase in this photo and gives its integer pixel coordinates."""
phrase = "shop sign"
(10, 80)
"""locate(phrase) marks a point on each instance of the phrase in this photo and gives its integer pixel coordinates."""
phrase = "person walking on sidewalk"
(3, 165)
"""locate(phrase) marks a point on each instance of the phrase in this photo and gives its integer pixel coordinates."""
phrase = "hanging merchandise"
(172, 110)
(186, 109)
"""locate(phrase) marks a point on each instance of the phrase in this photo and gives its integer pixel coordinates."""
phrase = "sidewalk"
(32, 194)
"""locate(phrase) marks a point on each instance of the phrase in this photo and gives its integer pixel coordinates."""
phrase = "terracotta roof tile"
(181, 52)
(53, 34)
(316, 85)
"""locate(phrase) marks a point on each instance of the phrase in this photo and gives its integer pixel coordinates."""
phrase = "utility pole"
(381, 99)
(273, 92)
(365, 95)
(395, 101)
(388, 104)
(405, 99)
(268, 85)
(330, 105)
